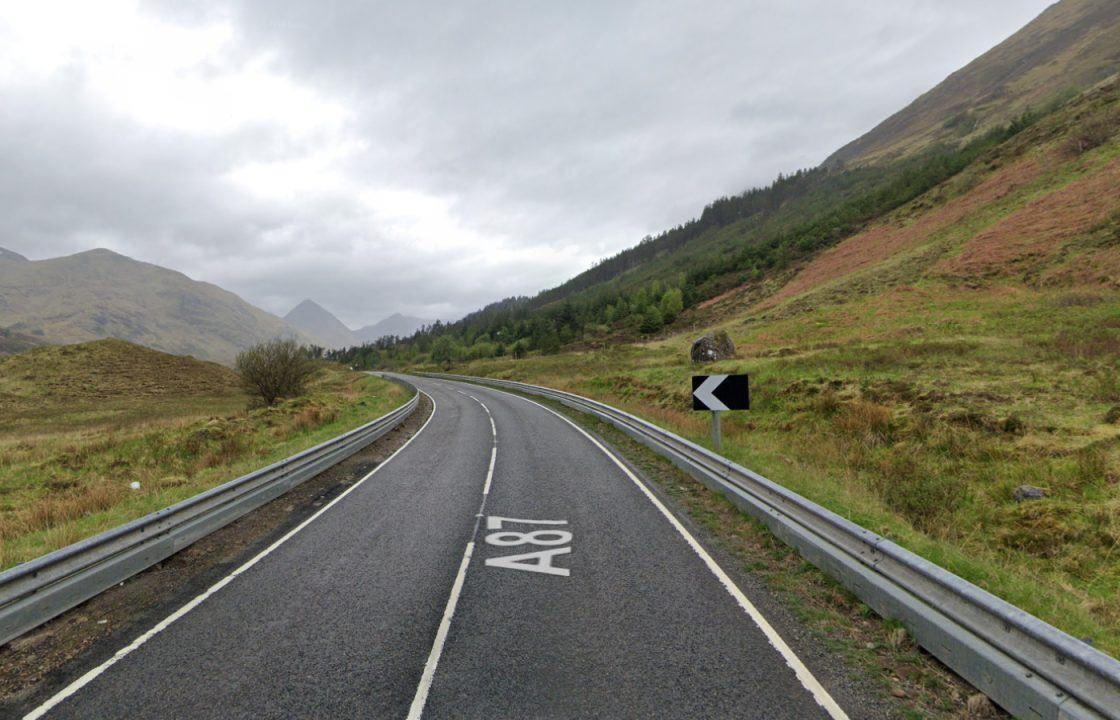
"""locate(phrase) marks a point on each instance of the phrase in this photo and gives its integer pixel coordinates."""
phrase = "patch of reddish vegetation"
(720, 298)
(882, 242)
(1097, 268)
(1039, 229)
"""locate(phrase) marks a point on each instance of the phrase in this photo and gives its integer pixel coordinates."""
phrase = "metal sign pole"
(717, 435)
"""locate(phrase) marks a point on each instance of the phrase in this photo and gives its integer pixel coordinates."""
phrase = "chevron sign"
(720, 392)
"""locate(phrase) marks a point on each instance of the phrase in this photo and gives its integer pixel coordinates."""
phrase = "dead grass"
(1034, 233)
(887, 240)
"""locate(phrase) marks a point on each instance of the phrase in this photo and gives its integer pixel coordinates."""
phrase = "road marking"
(539, 561)
(92, 675)
(808, 681)
(416, 710)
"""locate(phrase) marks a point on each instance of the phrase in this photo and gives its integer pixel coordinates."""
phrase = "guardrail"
(36, 591)
(1027, 666)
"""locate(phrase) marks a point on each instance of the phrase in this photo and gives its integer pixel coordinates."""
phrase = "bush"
(275, 369)
(1092, 134)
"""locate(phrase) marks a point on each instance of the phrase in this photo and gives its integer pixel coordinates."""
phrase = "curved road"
(415, 595)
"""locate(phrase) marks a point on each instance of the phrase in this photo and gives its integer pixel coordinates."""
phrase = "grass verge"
(67, 469)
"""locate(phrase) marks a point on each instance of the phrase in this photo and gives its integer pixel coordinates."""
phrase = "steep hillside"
(396, 325)
(1070, 47)
(752, 243)
(317, 323)
(99, 294)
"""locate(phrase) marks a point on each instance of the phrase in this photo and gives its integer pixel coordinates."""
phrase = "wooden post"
(717, 435)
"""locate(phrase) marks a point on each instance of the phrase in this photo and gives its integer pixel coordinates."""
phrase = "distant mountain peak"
(10, 256)
(320, 325)
(397, 324)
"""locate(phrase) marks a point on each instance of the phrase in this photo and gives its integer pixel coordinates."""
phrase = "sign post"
(718, 394)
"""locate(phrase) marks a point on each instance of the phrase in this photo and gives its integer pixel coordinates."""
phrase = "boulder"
(712, 347)
(1028, 492)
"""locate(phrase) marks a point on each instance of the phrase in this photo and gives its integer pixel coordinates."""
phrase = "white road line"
(416, 710)
(823, 698)
(92, 675)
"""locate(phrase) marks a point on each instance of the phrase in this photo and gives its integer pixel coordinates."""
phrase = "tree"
(672, 303)
(651, 321)
(275, 369)
(519, 349)
(443, 351)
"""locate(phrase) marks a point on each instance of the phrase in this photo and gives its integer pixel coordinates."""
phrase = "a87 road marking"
(539, 561)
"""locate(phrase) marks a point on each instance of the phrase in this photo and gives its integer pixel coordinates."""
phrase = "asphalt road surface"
(502, 564)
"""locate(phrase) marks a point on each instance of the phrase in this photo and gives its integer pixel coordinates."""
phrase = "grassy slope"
(1070, 47)
(911, 377)
(79, 423)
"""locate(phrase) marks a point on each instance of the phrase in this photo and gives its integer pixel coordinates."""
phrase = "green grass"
(66, 467)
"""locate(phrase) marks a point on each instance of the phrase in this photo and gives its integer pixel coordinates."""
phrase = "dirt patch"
(884, 241)
(1037, 230)
(37, 664)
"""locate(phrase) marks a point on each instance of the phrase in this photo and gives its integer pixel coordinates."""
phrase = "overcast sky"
(425, 157)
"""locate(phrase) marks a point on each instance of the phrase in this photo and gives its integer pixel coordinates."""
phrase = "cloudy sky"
(431, 157)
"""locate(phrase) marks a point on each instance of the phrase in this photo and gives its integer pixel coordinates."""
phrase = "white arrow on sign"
(705, 393)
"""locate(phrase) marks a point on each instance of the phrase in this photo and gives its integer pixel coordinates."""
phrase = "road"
(415, 595)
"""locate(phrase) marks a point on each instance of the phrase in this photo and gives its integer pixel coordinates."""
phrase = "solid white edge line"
(807, 679)
(420, 699)
(90, 676)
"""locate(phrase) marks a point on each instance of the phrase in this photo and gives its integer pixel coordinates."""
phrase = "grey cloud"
(555, 133)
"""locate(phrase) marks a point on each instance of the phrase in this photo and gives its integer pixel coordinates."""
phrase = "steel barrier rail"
(1027, 666)
(40, 589)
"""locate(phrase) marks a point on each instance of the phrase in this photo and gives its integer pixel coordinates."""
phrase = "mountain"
(320, 325)
(395, 325)
(101, 294)
(1070, 47)
(6, 254)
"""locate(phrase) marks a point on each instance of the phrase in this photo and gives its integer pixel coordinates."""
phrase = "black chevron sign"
(720, 392)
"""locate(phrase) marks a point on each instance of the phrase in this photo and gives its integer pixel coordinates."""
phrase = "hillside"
(1070, 47)
(99, 294)
(396, 325)
(317, 323)
(107, 369)
(751, 244)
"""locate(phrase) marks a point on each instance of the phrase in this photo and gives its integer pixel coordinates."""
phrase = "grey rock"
(1028, 492)
(712, 347)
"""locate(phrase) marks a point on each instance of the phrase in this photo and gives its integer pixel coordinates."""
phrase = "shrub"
(1092, 134)
(275, 369)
